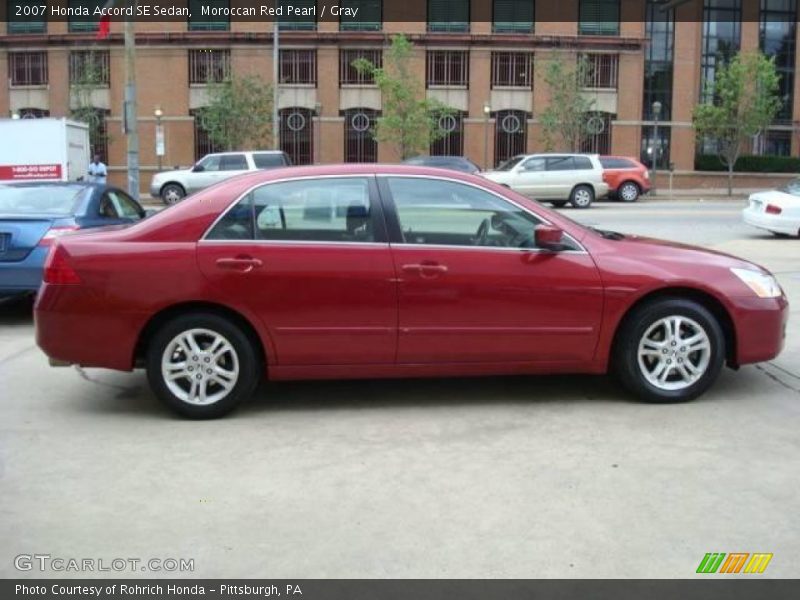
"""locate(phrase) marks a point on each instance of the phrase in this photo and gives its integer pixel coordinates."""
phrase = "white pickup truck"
(173, 186)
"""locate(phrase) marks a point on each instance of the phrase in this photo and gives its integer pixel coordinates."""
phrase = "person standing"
(97, 170)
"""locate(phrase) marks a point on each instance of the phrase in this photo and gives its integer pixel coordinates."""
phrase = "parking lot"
(522, 477)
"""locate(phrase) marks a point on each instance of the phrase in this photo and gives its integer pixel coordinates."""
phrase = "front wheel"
(172, 193)
(582, 196)
(628, 192)
(202, 365)
(670, 350)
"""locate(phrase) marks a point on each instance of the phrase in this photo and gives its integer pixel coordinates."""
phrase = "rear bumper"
(155, 191)
(769, 222)
(760, 328)
(23, 276)
(601, 190)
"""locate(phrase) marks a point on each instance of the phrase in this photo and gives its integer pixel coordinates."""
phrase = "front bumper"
(776, 223)
(760, 325)
(155, 190)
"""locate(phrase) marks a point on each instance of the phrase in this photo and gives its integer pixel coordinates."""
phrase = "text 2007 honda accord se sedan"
(393, 271)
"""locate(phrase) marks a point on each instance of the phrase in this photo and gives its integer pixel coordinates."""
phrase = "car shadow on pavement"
(16, 310)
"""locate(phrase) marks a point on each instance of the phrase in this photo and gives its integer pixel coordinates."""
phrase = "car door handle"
(425, 269)
(245, 264)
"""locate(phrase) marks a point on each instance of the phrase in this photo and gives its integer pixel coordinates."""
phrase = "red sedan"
(626, 177)
(364, 271)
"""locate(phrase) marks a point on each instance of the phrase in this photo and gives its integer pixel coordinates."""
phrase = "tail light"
(57, 269)
(55, 232)
(773, 210)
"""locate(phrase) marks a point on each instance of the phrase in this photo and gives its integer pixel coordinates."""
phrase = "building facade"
(483, 58)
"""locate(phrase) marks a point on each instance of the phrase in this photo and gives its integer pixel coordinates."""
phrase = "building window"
(601, 71)
(27, 68)
(296, 129)
(359, 140)
(447, 68)
(82, 23)
(89, 67)
(598, 17)
(348, 74)
(660, 146)
(368, 18)
(722, 28)
(209, 66)
(448, 16)
(512, 69)
(452, 144)
(599, 140)
(512, 16)
(658, 60)
(510, 134)
(298, 67)
(98, 130)
(33, 113)
(33, 20)
(775, 143)
(297, 21)
(202, 142)
(209, 22)
(777, 40)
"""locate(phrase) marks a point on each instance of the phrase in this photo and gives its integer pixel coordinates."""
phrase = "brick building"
(481, 57)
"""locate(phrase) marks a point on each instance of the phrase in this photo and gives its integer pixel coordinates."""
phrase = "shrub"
(750, 164)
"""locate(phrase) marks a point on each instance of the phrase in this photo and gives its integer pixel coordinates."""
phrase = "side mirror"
(548, 237)
(198, 169)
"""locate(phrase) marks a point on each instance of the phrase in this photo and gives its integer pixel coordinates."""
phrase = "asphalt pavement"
(523, 477)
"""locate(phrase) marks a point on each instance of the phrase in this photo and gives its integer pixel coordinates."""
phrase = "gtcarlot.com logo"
(735, 562)
(47, 562)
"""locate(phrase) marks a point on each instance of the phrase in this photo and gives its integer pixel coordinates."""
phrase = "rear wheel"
(582, 196)
(201, 365)
(628, 192)
(669, 350)
(172, 193)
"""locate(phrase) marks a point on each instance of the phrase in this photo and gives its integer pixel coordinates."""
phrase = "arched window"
(203, 144)
(297, 140)
(599, 139)
(359, 143)
(33, 113)
(451, 144)
(511, 134)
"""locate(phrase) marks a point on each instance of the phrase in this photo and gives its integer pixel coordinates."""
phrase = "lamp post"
(487, 110)
(656, 114)
(159, 135)
(318, 132)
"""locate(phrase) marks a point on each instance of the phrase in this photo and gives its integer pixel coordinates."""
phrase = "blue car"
(32, 215)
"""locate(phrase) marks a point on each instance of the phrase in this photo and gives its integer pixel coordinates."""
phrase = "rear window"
(264, 160)
(617, 163)
(56, 200)
(582, 163)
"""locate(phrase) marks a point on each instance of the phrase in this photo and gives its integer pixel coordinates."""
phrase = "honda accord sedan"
(371, 271)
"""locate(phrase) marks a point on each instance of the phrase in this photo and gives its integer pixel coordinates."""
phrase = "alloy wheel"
(674, 353)
(629, 192)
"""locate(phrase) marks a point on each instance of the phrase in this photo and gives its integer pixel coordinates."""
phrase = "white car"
(554, 178)
(173, 186)
(777, 211)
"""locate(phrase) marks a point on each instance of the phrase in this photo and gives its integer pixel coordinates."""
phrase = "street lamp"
(159, 135)
(487, 110)
(656, 114)
(318, 144)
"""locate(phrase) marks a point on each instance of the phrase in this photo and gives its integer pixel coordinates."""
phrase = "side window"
(582, 163)
(534, 164)
(560, 163)
(210, 163)
(125, 206)
(108, 209)
(264, 160)
(440, 212)
(233, 162)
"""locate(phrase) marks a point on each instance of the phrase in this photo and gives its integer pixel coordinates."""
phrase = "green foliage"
(238, 115)
(744, 101)
(565, 119)
(749, 164)
(82, 108)
(409, 120)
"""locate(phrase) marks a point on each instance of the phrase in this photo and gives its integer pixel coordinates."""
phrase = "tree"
(238, 115)
(409, 120)
(743, 102)
(87, 80)
(565, 119)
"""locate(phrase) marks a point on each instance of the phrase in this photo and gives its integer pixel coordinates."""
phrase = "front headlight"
(762, 284)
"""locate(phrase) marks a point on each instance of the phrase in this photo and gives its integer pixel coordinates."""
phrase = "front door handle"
(244, 264)
(425, 270)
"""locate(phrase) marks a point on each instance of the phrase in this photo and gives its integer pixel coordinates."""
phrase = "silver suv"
(554, 178)
(173, 186)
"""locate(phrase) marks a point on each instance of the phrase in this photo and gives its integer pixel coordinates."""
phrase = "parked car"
(777, 211)
(456, 163)
(626, 177)
(348, 271)
(554, 178)
(174, 186)
(34, 215)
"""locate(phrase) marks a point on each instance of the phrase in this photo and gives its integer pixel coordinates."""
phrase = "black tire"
(249, 364)
(582, 196)
(626, 362)
(628, 192)
(172, 193)
(559, 203)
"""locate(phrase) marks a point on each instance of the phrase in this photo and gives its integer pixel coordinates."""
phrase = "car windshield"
(56, 200)
(793, 188)
(509, 164)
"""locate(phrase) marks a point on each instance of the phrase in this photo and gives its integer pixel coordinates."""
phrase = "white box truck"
(43, 150)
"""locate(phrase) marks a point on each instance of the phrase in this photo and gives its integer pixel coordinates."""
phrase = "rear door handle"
(245, 264)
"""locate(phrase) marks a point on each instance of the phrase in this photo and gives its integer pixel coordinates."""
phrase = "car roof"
(36, 184)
